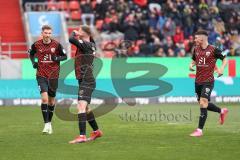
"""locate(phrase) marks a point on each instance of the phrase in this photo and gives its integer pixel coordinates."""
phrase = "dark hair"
(46, 27)
(201, 32)
(87, 29)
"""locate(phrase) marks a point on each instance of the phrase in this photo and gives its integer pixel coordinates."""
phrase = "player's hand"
(219, 72)
(35, 65)
(54, 58)
(191, 68)
(75, 32)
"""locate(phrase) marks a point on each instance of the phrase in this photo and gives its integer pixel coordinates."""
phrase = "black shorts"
(85, 90)
(204, 90)
(47, 85)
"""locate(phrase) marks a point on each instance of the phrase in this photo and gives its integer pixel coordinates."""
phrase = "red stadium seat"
(74, 5)
(52, 6)
(99, 24)
(70, 29)
(141, 3)
(62, 5)
(109, 54)
(93, 4)
(76, 15)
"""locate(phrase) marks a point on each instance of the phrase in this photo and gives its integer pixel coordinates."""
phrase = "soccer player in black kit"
(205, 57)
(49, 53)
(84, 57)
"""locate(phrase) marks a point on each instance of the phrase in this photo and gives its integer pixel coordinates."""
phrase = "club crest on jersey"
(53, 50)
(208, 54)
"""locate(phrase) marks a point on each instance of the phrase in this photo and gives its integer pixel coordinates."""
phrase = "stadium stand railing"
(13, 50)
(12, 43)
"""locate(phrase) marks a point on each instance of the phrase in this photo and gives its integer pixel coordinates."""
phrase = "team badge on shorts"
(207, 90)
(53, 50)
(81, 93)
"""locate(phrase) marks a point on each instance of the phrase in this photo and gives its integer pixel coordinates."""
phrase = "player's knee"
(51, 102)
(45, 100)
(203, 103)
(88, 109)
(82, 108)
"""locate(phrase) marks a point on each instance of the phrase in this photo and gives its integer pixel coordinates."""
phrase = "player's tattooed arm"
(191, 65)
(32, 51)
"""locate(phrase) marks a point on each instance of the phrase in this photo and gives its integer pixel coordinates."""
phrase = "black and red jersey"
(205, 62)
(44, 52)
(84, 58)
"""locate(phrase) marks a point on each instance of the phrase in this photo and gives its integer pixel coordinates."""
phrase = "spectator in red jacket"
(179, 36)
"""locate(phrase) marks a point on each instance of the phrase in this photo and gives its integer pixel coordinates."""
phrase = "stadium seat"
(52, 6)
(62, 5)
(93, 4)
(75, 15)
(141, 3)
(74, 5)
(70, 29)
(109, 54)
(99, 24)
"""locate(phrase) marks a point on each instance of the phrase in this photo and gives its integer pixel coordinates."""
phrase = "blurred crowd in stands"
(162, 28)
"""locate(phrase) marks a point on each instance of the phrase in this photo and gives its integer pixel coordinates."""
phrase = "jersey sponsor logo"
(47, 59)
(53, 50)
(202, 62)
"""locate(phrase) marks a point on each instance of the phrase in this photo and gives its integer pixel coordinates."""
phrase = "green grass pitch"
(140, 132)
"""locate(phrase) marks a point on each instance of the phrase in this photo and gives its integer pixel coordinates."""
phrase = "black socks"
(202, 118)
(47, 112)
(91, 120)
(50, 112)
(213, 107)
(44, 108)
(203, 115)
(82, 119)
